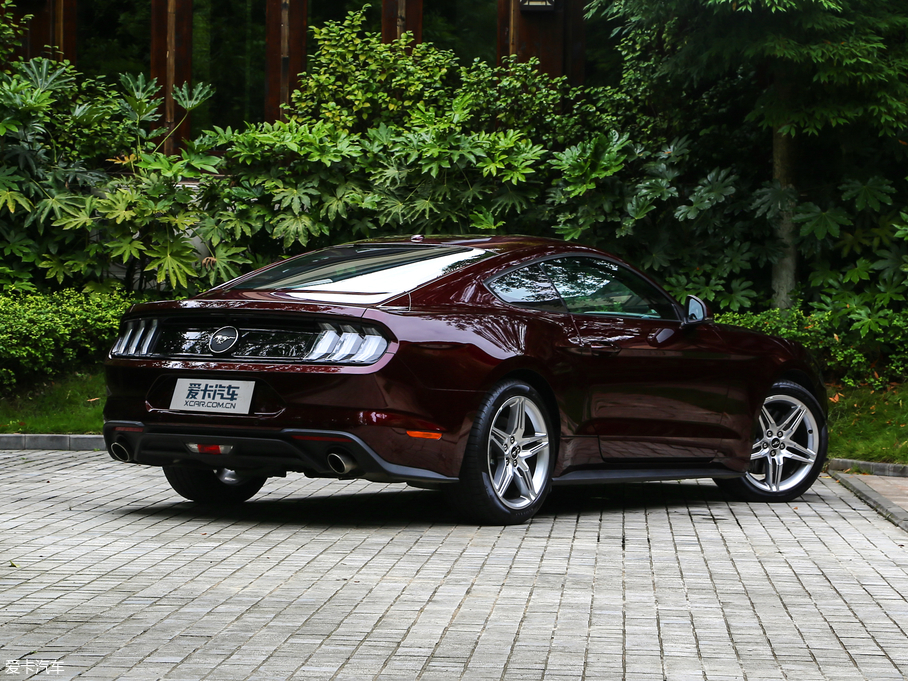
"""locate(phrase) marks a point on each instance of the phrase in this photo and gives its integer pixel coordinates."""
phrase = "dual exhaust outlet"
(339, 461)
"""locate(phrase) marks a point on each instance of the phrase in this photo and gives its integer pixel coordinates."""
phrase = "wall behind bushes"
(44, 334)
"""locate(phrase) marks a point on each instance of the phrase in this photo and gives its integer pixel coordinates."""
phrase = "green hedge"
(875, 357)
(43, 334)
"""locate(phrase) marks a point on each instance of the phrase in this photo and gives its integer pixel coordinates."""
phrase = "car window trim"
(592, 256)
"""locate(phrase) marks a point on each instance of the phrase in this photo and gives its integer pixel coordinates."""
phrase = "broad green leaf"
(11, 199)
(871, 194)
(819, 223)
(860, 272)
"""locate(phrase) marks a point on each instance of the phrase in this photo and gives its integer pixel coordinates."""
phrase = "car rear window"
(362, 273)
(527, 287)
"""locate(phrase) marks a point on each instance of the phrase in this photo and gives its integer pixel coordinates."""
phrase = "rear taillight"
(137, 338)
(344, 344)
(317, 342)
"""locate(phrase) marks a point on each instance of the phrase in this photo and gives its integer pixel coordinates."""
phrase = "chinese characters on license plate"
(222, 397)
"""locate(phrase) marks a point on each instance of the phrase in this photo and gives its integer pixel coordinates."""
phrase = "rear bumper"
(269, 453)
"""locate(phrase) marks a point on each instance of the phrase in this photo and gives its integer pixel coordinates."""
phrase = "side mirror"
(696, 312)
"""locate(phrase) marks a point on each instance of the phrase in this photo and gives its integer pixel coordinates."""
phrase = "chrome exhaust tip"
(342, 463)
(120, 452)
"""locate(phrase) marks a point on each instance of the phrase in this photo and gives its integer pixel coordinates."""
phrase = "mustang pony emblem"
(223, 339)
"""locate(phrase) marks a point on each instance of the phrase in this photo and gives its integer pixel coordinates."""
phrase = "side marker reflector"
(425, 435)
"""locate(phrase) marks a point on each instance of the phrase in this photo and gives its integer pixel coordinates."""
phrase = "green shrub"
(849, 353)
(43, 334)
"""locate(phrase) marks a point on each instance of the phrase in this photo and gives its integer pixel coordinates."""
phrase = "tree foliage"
(382, 139)
(833, 70)
(817, 63)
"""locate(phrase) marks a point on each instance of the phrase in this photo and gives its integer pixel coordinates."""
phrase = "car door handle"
(603, 348)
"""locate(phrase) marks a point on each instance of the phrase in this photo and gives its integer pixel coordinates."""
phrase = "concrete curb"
(895, 470)
(77, 443)
(892, 512)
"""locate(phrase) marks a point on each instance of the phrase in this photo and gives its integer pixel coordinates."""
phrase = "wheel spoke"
(758, 453)
(520, 407)
(804, 454)
(766, 421)
(793, 421)
(503, 478)
(524, 481)
(798, 458)
(773, 473)
(499, 438)
(539, 442)
(515, 418)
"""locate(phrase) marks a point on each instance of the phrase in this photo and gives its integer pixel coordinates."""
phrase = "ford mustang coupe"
(490, 368)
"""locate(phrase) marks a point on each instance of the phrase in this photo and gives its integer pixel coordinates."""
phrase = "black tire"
(789, 450)
(507, 467)
(222, 486)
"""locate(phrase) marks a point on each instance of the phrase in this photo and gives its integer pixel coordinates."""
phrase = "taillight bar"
(136, 338)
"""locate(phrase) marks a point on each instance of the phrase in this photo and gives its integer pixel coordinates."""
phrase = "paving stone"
(118, 577)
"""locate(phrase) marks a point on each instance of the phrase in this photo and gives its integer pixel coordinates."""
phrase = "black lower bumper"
(270, 453)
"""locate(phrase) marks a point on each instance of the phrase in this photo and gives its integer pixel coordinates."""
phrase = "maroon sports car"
(488, 367)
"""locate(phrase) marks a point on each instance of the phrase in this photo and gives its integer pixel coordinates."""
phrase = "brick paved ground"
(118, 578)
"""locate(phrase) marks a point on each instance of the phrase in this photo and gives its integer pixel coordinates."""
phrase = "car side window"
(599, 287)
(527, 287)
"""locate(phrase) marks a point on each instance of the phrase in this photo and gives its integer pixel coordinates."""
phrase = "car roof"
(506, 250)
(498, 244)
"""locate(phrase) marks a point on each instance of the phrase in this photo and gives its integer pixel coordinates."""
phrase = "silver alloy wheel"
(785, 446)
(518, 452)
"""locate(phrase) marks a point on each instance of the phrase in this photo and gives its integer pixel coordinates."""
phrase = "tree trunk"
(784, 271)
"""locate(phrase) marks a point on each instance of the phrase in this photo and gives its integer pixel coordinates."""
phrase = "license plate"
(218, 397)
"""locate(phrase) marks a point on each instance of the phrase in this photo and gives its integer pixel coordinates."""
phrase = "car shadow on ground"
(409, 507)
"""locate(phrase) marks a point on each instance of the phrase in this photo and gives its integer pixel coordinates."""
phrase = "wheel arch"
(803, 379)
(536, 381)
